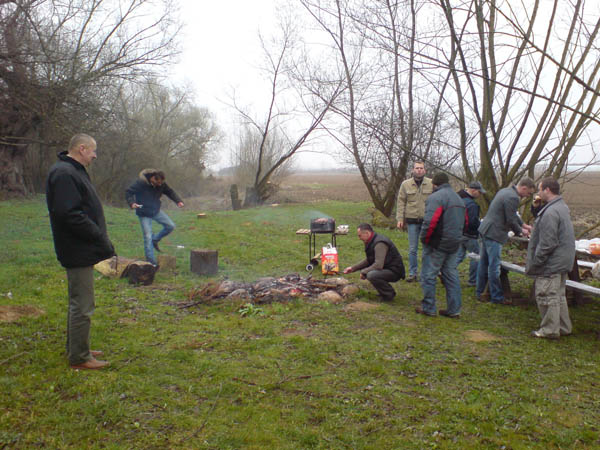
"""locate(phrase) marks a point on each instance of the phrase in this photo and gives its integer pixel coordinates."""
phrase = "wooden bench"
(506, 267)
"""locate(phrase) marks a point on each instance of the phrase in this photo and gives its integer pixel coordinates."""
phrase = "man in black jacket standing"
(383, 263)
(144, 196)
(80, 241)
(470, 231)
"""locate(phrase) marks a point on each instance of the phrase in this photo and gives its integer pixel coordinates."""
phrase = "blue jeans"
(146, 223)
(414, 231)
(436, 262)
(468, 245)
(488, 271)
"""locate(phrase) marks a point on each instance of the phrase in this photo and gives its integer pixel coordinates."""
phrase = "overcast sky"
(221, 52)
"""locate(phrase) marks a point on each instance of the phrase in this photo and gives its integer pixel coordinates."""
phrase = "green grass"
(208, 377)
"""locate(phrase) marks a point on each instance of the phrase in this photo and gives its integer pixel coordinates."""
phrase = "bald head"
(82, 148)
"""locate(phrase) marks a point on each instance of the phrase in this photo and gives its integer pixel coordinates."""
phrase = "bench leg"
(505, 284)
(573, 295)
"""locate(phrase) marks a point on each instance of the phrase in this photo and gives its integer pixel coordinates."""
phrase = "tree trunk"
(12, 180)
(236, 204)
(252, 198)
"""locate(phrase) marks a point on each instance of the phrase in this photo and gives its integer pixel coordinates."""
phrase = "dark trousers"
(79, 316)
(380, 279)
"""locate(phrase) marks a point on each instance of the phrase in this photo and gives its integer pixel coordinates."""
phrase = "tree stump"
(166, 262)
(204, 261)
(236, 204)
(139, 272)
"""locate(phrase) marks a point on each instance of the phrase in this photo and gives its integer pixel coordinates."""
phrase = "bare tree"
(283, 129)
(150, 125)
(54, 55)
(392, 113)
(527, 77)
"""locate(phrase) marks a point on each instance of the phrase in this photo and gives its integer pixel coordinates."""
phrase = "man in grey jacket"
(550, 256)
(501, 218)
(441, 235)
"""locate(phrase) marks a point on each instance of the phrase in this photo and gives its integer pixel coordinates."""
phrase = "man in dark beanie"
(469, 241)
(383, 263)
(441, 236)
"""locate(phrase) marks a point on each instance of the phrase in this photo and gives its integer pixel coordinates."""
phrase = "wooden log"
(204, 261)
(113, 267)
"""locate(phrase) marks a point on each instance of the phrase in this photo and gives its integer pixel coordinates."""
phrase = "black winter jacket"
(471, 215)
(143, 193)
(393, 259)
(76, 215)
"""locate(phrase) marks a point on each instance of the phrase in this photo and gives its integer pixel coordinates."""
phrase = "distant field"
(581, 194)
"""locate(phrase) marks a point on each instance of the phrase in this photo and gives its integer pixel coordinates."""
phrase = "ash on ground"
(272, 289)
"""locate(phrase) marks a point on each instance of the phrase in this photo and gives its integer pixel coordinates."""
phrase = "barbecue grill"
(321, 225)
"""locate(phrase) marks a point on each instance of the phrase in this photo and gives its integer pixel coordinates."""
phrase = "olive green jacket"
(411, 199)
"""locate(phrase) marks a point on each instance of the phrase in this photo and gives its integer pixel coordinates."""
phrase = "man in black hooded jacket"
(144, 197)
(80, 241)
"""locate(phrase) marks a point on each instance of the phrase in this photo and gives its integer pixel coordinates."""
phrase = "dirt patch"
(12, 313)
(360, 306)
(480, 336)
(290, 332)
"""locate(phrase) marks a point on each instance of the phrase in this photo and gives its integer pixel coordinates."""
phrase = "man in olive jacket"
(550, 256)
(383, 263)
(80, 241)
(410, 210)
(144, 197)
(441, 236)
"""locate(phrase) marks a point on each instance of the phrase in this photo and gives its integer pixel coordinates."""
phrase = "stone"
(239, 293)
(225, 288)
(338, 281)
(331, 297)
(350, 290)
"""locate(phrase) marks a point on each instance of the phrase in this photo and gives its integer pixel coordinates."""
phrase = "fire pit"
(271, 289)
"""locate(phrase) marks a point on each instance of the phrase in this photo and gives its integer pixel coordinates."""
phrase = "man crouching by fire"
(382, 265)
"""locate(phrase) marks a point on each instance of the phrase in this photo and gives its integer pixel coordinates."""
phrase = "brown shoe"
(95, 353)
(445, 313)
(504, 302)
(420, 310)
(92, 364)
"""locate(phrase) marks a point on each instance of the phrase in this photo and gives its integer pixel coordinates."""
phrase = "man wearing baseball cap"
(470, 234)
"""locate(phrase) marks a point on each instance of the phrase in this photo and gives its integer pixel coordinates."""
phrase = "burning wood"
(271, 289)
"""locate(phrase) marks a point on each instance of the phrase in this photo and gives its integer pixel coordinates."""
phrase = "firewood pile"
(271, 289)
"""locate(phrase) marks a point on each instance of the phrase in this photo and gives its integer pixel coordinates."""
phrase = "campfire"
(271, 289)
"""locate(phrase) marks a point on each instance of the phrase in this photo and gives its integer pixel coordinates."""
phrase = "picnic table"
(574, 283)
